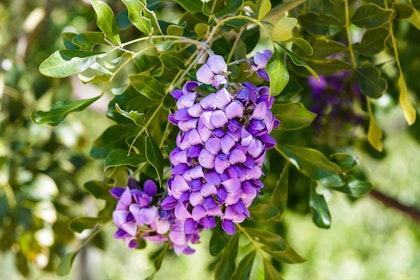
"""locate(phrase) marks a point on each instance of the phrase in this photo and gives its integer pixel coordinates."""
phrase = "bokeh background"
(43, 169)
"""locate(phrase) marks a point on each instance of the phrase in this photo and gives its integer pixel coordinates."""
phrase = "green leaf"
(373, 41)
(279, 76)
(370, 81)
(192, 6)
(265, 7)
(405, 103)
(87, 40)
(355, 187)
(112, 138)
(273, 241)
(60, 110)
(329, 66)
(270, 272)
(303, 45)
(244, 268)
(375, 134)
(67, 38)
(135, 14)
(282, 31)
(119, 157)
(172, 60)
(175, 30)
(345, 161)
(218, 241)
(280, 191)
(320, 212)
(263, 212)
(148, 86)
(99, 190)
(293, 116)
(371, 16)
(106, 21)
(403, 11)
(226, 266)
(327, 47)
(320, 24)
(154, 156)
(298, 61)
(288, 256)
(67, 62)
(136, 117)
(159, 255)
(82, 223)
(313, 164)
(66, 263)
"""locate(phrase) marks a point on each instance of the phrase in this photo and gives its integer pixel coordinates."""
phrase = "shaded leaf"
(371, 16)
(279, 76)
(345, 161)
(273, 241)
(303, 45)
(148, 86)
(263, 212)
(154, 156)
(288, 255)
(320, 212)
(373, 41)
(280, 191)
(282, 31)
(218, 241)
(66, 263)
(82, 223)
(60, 110)
(226, 266)
(355, 187)
(329, 66)
(135, 14)
(370, 81)
(327, 47)
(112, 138)
(293, 115)
(270, 272)
(192, 6)
(320, 24)
(99, 190)
(244, 268)
(172, 60)
(106, 21)
(299, 62)
(87, 40)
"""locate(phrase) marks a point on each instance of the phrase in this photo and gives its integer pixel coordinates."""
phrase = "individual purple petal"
(186, 100)
(233, 197)
(257, 127)
(177, 156)
(190, 225)
(185, 197)
(125, 200)
(221, 163)
(176, 93)
(193, 137)
(237, 156)
(195, 185)
(205, 118)
(208, 189)
(117, 192)
(195, 110)
(234, 216)
(120, 234)
(169, 203)
(196, 172)
(260, 111)
(246, 137)
(218, 119)
(261, 58)
(179, 169)
(208, 102)
(143, 216)
(177, 237)
(221, 194)
(240, 207)
(209, 202)
(228, 226)
(198, 212)
(268, 140)
(196, 198)
(206, 159)
(120, 217)
(162, 226)
(217, 64)
(205, 75)
(181, 212)
(232, 185)
(179, 186)
(189, 87)
(255, 148)
(204, 131)
(154, 237)
(208, 222)
(150, 187)
(263, 74)
(213, 145)
(226, 143)
(187, 125)
(218, 132)
(233, 110)
(194, 151)
(131, 243)
(212, 178)
(222, 98)
(182, 115)
(214, 212)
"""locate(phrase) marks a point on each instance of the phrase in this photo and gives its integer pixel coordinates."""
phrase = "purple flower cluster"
(221, 146)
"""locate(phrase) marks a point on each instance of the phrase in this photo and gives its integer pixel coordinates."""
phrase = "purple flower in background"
(259, 62)
(217, 165)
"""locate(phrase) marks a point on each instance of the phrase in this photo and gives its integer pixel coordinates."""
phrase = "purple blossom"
(259, 62)
(213, 72)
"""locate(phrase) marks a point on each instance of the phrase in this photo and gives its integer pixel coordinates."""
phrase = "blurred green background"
(42, 171)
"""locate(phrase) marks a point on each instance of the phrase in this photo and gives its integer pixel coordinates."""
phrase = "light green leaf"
(355, 187)
(415, 19)
(135, 14)
(293, 116)
(148, 86)
(405, 103)
(313, 164)
(303, 45)
(265, 7)
(66, 263)
(175, 30)
(370, 81)
(136, 117)
(375, 134)
(320, 212)
(201, 29)
(87, 40)
(279, 77)
(67, 62)
(60, 110)
(106, 21)
(283, 29)
(371, 16)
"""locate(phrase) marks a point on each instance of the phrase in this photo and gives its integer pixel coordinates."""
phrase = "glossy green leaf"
(407, 107)
(355, 187)
(60, 110)
(320, 24)
(313, 164)
(279, 76)
(154, 156)
(135, 14)
(106, 21)
(320, 212)
(282, 31)
(270, 272)
(244, 268)
(136, 117)
(147, 86)
(226, 266)
(370, 81)
(218, 241)
(265, 7)
(373, 41)
(80, 224)
(371, 16)
(280, 191)
(66, 263)
(172, 60)
(263, 212)
(288, 255)
(119, 157)
(345, 161)
(99, 190)
(191, 6)
(87, 40)
(67, 62)
(293, 116)
(375, 133)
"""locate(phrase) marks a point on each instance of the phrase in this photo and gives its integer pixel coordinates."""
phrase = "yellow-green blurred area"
(43, 169)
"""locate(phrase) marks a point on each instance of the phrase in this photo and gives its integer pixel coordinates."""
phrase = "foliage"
(139, 55)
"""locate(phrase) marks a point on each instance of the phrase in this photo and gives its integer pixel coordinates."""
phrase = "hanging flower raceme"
(221, 146)
(138, 214)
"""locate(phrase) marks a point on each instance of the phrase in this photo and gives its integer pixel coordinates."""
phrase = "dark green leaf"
(22, 263)
(99, 190)
(67, 62)
(236, 23)
(148, 86)
(66, 262)
(106, 21)
(119, 157)
(251, 36)
(230, 7)
(345, 161)
(303, 45)
(299, 61)
(82, 223)
(270, 272)
(313, 164)
(273, 241)
(279, 76)
(60, 110)
(288, 256)
(320, 24)
(293, 115)
(154, 156)
(172, 60)
(136, 117)
(373, 41)
(112, 138)
(87, 40)
(329, 66)
(371, 16)
(370, 81)
(416, 4)
(263, 212)
(280, 191)
(403, 10)
(135, 14)
(68, 40)
(320, 212)
(218, 241)
(226, 266)
(327, 47)
(355, 187)
(244, 268)
(191, 6)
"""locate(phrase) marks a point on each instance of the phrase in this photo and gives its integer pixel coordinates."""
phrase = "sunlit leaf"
(279, 76)
(273, 241)
(106, 21)
(299, 62)
(375, 134)
(135, 14)
(87, 40)
(136, 117)
(320, 212)
(293, 116)
(265, 7)
(60, 110)
(405, 103)
(371, 16)
(283, 29)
